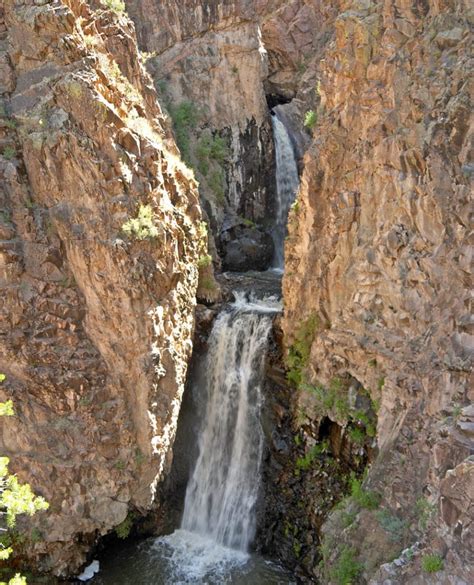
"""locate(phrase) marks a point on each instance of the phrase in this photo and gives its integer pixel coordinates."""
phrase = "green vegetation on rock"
(298, 353)
(347, 568)
(432, 563)
(123, 529)
(117, 6)
(310, 119)
(15, 499)
(141, 227)
(185, 118)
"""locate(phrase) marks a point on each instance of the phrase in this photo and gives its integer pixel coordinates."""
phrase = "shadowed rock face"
(96, 326)
(224, 57)
(378, 254)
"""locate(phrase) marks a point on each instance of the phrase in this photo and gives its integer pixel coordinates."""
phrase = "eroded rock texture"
(96, 325)
(225, 60)
(378, 260)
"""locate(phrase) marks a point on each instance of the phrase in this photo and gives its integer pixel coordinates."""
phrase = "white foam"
(89, 571)
(193, 558)
(249, 302)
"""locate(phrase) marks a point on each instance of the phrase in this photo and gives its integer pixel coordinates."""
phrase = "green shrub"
(212, 147)
(217, 184)
(365, 498)
(117, 6)
(310, 119)
(298, 353)
(357, 435)
(424, 511)
(207, 283)
(304, 463)
(9, 152)
(139, 456)
(393, 525)
(15, 499)
(432, 563)
(346, 568)
(123, 529)
(204, 261)
(185, 118)
(142, 227)
(6, 408)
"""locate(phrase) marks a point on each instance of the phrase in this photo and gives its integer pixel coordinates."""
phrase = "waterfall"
(223, 489)
(287, 182)
(219, 518)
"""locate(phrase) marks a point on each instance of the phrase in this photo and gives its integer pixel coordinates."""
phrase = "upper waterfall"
(287, 182)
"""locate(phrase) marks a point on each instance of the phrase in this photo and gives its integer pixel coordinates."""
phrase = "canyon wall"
(227, 62)
(377, 285)
(100, 238)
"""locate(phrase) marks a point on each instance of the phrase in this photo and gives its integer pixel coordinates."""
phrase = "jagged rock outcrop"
(211, 56)
(97, 321)
(225, 59)
(378, 259)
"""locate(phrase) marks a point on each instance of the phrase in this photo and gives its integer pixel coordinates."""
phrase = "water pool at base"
(186, 558)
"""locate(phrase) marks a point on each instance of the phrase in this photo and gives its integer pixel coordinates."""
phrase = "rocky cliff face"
(97, 319)
(227, 61)
(376, 285)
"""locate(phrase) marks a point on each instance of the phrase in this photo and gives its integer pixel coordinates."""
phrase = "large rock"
(246, 248)
(96, 324)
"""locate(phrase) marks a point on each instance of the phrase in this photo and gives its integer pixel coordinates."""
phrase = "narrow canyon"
(236, 331)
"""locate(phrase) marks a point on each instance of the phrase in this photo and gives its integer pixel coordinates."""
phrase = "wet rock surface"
(246, 248)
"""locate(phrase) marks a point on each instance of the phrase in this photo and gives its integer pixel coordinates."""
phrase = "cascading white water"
(219, 517)
(287, 182)
(223, 489)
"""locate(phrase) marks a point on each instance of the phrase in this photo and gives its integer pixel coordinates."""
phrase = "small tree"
(15, 499)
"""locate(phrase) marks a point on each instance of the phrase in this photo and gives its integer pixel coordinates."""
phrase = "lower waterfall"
(212, 545)
(223, 489)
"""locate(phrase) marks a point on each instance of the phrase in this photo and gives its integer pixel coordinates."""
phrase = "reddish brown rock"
(96, 325)
(378, 252)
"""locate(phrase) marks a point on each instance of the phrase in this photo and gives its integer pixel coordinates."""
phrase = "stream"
(212, 546)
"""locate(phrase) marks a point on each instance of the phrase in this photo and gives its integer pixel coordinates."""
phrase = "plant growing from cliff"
(424, 510)
(123, 529)
(141, 227)
(298, 353)
(185, 118)
(357, 435)
(217, 184)
(204, 260)
(310, 119)
(117, 6)
(9, 152)
(432, 563)
(364, 498)
(304, 463)
(211, 148)
(394, 526)
(347, 568)
(15, 499)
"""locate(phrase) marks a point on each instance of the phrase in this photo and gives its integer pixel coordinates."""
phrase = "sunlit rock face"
(378, 254)
(96, 324)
